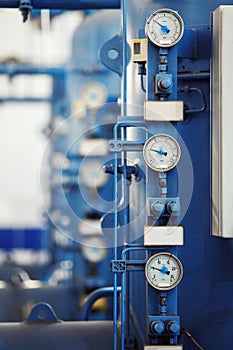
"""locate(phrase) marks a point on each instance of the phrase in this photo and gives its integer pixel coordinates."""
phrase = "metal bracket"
(171, 325)
(111, 54)
(118, 266)
(119, 146)
(42, 312)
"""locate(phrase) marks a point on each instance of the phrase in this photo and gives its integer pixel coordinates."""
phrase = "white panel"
(222, 122)
(89, 227)
(163, 235)
(163, 110)
(93, 147)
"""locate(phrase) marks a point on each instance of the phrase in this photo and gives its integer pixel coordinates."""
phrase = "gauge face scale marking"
(161, 152)
(163, 271)
(164, 28)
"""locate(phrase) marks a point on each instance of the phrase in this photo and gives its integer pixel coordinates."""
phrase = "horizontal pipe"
(89, 335)
(194, 76)
(21, 69)
(67, 5)
(13, 69)
(25, 99)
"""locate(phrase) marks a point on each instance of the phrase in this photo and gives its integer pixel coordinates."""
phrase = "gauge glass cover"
(161, 152)
(164, 28)
(163, 271)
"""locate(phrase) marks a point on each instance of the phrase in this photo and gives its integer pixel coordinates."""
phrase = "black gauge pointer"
(162, 153)
(163, 270)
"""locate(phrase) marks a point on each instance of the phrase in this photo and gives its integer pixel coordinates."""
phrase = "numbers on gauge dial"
(164, 28)
(161, 152)
(163, 271)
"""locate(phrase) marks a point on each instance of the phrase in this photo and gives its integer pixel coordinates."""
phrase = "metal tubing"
(126, 296)
(92, 297)
(115, 283)
(124, 77)
(12, 69)
(25, 99)
(21, 69)
(66, 5)
(115, 134)
(195, 76)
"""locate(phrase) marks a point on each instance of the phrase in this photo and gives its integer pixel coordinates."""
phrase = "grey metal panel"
(222, 123)
(89, 335)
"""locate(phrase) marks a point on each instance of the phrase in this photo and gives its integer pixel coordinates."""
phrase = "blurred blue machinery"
(132, 182)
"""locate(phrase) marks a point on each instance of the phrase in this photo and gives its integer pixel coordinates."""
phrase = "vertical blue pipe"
(115, 246)
(124, 87)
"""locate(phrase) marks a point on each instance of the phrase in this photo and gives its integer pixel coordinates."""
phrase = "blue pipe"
(67, 5)
(25, 99)
(91, 298)
(124, 86)
(12, 69)
(24, 69)
(115, 134)
(115, 282)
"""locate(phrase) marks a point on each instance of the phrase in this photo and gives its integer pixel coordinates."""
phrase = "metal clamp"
(119, 146)
(118, 266)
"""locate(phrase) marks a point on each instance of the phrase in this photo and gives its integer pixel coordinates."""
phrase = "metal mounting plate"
(163, 235)
(163, 110)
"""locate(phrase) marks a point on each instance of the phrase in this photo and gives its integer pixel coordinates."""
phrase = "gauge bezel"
(169, 11)
(156, 168)
(170, 255)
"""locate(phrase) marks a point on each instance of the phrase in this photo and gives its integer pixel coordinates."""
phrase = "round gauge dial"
(163, 271)
(161, 152)
(164, 28)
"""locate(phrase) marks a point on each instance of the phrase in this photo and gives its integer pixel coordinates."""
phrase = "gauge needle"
(163, 270)
(163, 28)
(162, 153)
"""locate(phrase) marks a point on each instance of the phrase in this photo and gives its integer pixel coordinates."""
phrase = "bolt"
(157, 327)
(173, 327)
(173, 207)
(157, 208)
(165, 84)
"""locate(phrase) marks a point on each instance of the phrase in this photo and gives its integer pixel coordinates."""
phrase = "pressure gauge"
(161, 152)
(164, 28)
(163, 271)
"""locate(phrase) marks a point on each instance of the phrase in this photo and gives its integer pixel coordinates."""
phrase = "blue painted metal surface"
(67, 5)
(194, 55)
(42, 312)
(33, 238)
(203, 302)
